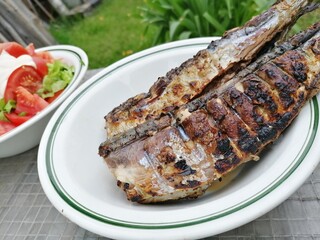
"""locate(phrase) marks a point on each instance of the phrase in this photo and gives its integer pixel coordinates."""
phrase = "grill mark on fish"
(231, 124)
(202, 129)
(291, 63)
(258, 120)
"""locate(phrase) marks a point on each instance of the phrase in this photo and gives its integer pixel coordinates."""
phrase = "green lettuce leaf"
(6, 107)
(58, 77)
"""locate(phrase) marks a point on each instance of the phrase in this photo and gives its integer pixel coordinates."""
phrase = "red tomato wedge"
(46, 56)
(30, 49)
(54, 97)
(29, 103)
(41, 59)
(42, 67)
(13, 49)
(25, 76)
(6, 127)
(16, 119)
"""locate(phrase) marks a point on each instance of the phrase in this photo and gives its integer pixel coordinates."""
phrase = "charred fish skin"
(183, 83)
(181, 161)
(257, 91)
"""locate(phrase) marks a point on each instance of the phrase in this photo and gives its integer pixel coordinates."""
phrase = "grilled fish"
(232, 52)
(179, 155)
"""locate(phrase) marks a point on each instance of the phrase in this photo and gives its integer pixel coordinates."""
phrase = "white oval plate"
(28, 134)
(80, 186)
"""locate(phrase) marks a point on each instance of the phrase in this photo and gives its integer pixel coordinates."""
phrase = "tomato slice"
(13, 49)
(30, 49)
(25, 76)
(54, 97)
(45, 55)
(42, 67)
(16, 119)
(29, 103)
(6, 127)
(41, 59)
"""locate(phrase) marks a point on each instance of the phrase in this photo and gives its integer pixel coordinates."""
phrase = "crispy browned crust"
(229, 128)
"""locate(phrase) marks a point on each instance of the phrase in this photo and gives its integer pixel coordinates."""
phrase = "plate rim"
(314, 124)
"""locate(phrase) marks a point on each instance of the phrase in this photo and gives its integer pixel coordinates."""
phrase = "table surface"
(26, 212)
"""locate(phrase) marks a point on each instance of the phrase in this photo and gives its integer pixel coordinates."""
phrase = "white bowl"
(28, 134)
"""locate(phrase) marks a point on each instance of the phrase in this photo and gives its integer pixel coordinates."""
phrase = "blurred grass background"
(115, 29)
(112, 30)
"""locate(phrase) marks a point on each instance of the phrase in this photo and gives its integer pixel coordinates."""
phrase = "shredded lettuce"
(6, 107)
(58, 77)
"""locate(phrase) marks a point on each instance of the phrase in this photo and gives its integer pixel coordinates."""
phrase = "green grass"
(306, 20)
(112, 31)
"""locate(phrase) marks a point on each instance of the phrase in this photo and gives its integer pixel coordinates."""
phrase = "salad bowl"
(28, 134)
